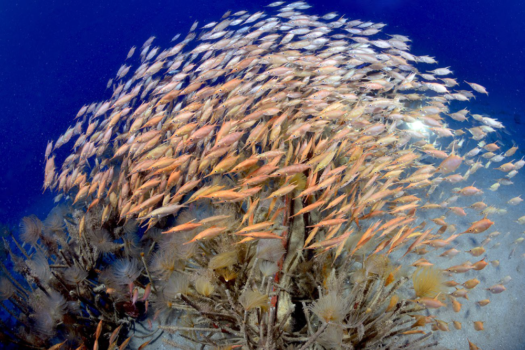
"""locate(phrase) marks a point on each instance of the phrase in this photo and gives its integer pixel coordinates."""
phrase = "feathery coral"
(203, 286)
(6, 288)
(428, 282)
(75, 275)
(39, 267)
(330, 308)
(126, 271)
(31, 229)
(270, 249)
(268, 268)
(176, 285)
(251, 299)
(222, 260)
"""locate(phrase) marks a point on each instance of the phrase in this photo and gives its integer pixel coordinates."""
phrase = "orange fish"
(430, 303)
(254, 227)
(184, 227)
(262, 234)
(480, 226)
(309, 208)
(207, 234)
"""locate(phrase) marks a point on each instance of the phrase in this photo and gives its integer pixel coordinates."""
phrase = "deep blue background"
(57, 55)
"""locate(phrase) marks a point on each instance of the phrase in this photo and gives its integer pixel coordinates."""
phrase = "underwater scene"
(262, 175)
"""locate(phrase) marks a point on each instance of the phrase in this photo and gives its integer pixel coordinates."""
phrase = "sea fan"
(188, 215)
(164, 263)
(31, 229)
(154, 233)
(204, 286)
(75, 275)
(73, 307)
(176, 285)
(54, 222)
(126, 271)
(225, 259)
(163, 305)
(428, 282)
(49, 310)
(6, 288)
(39, 267)
(131, 227)
(175, 244)
(332, 337)
(102, 240)
(227, 274)
(270, 249)
(379, 265)
(55, 304)
(44, 322)
(359, 276)
(251, 299)
(268, 268)
(107, 278)
(330, 308)
(132, 245)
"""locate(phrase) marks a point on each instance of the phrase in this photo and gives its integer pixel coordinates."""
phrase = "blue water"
(57, 55)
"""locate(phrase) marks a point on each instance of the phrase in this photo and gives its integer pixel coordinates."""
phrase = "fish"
(479, 226)
(430, 303)
(164, 211)
(460, 268)
(477, 87)
(471, 283)
(183, 227)
(283, 191)
(207, 234)
(262, 235)
(460, 293)
(515, 201)
(309, 208)
(480, 265)
(256, 227)
(479, 326)
(456, 306)
(472, 346)
(496, 289)
(483, 302)
(477, 251)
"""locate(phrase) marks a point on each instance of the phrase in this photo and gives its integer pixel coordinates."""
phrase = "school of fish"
(281, 106)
